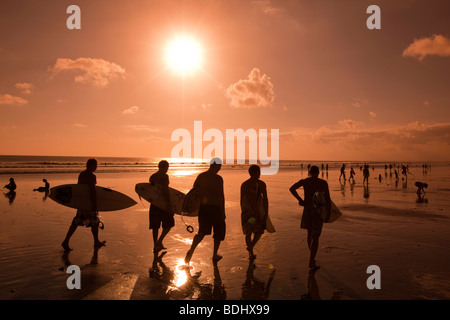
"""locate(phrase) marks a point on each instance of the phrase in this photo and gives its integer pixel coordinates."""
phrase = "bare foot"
(66, 247)
(216, 258)
(100, 244)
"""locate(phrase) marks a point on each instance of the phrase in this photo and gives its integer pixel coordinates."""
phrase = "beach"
(386, 225)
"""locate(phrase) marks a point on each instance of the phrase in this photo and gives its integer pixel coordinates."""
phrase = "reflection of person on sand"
(211, 214)
(11, 186)
(313, 290)
(165, 275)
(159, 216)
(45, 188)
(11, 195)
(253, 221)
(310, 218)
(88, 218)
(253, 288)
(352, 175)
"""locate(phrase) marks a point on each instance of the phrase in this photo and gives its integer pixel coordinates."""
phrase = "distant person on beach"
(420, 187)
(45, 188)
(352, 174)
(211, 215)
(405, 171)
(87, 218)
(310, 219)
(11, 186)
(158, 216)
(342, 172)
(253, 193)
(366, 173)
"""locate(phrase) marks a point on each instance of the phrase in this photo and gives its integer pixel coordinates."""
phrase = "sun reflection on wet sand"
(180, 275)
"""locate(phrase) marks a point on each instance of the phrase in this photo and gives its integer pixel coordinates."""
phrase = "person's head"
(163, 166)
(314, 171)
(254, 171)
(44, 180)
(215, 164)
(11, 179)
(91, 165)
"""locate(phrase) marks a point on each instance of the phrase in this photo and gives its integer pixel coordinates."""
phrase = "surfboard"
(269, 226)
(153, 194)
(77, 196)
(319, 204)
(191, 203)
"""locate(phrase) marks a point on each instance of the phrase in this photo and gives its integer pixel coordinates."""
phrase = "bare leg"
(97, 243)
(195, 242)
(216, 257)
(161, 238)
(313, 251)
(70, 232)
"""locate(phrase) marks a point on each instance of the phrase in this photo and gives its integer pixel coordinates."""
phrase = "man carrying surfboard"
(87, 218)
(158, 216)
(310, 218)
(253, 191)
(211, 215)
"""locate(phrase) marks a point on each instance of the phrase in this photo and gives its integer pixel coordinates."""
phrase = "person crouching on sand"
(311, 220)
(253, 221)
(87, 218)
(420, 187)
(211, 215)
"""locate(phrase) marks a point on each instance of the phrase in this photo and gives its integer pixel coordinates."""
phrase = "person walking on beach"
(311, 220)
(366, 173)
(11, 186)
(342, 172)
(253, 193)
(352, 175)
(211, 215)
(87, 218)
(158, 216)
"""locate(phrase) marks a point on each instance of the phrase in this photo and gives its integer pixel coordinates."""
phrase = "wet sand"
(384, 225)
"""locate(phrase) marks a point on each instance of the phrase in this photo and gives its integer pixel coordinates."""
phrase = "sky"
(335, 89)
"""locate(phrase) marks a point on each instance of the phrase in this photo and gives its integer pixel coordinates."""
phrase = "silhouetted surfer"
(158, 216)
(87, 218)
(253, 221)
(45, 188)
(342, 172)
(11, 186)
(211, 214)
(310, 218)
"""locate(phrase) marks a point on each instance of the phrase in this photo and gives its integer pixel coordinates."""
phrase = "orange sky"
(312, 69)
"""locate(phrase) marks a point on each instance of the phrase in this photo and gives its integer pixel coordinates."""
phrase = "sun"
(184, 55)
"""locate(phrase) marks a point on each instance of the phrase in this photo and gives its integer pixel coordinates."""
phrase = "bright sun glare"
(184, 55)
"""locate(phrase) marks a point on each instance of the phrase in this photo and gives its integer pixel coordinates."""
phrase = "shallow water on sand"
(385, 225)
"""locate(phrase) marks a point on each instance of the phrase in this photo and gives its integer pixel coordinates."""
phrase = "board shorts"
(87, 219)
(251, 222)
(159, 217)
(312, 222)
(210, 218)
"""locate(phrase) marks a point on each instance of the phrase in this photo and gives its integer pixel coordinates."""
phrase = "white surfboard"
(319, 204)
(269, 226)
(77, 196)
(153, 194)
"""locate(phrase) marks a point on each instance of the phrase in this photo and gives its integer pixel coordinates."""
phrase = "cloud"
(143, 128)
(254, 92)
(349, 124)
(90, 71)
(25, 87)
(372, 114)
(7, 99)
(132, 110)
(79, 125)
(435, 45)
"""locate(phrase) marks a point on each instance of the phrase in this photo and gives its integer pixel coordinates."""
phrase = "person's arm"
(93, 193)
(293, 190)
(327, 201)
(265, 200)
(166, 194)
(222, 196)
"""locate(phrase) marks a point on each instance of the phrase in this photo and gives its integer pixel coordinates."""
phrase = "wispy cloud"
(132, 110)
(25, 87)
(254, 92)
(143, 128)
(90, 71)
(437, 45)
(7, 99)
(79, 125)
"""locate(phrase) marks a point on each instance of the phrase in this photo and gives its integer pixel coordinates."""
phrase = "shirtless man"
(158, 216)
(310, 218)
(211, 214)
(253, 222)
(87, 218)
